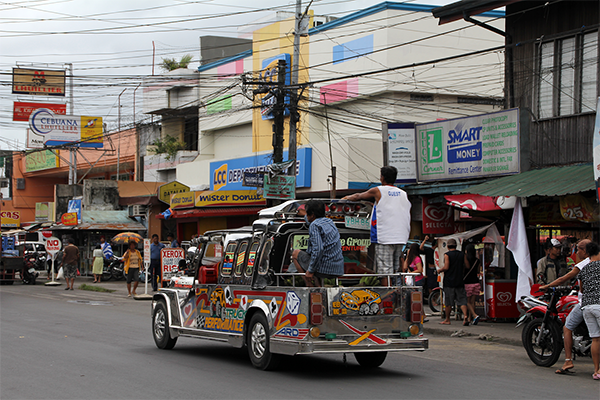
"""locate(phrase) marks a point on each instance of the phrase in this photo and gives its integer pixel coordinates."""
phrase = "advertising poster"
(38, 82)
(596, 145)
(472, 147)
(282, 187)
(11, 219)
(170, 262)
(401, 152)
(65, 129)
(75, 207)
(41, 160)
(438, 218)
(22, 110)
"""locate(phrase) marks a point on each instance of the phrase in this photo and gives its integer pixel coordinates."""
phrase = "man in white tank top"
(390, 221)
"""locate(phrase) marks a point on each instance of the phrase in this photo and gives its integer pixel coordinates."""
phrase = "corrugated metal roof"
(552, 181)
(105, 221)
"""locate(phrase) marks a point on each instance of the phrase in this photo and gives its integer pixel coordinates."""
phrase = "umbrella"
(125, 237)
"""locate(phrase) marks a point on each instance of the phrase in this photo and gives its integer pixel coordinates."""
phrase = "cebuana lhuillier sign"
(470, 147)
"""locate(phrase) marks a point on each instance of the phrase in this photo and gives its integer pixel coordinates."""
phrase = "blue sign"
(269, 74)
(75, 206)
(229, 174)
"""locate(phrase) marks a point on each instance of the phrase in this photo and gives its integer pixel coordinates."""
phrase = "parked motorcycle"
(106, 270)
(117, 268)
(29, 273)
(546, 314)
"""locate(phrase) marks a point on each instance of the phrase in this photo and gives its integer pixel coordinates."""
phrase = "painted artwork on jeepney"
(362, 302)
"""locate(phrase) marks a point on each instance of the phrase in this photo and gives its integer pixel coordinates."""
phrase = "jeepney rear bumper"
(293, 347)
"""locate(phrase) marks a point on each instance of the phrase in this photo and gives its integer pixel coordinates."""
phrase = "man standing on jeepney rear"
(323, 258)
(390, 221)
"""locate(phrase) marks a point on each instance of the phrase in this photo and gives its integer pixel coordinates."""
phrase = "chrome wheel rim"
(259, 340)
(159, 324)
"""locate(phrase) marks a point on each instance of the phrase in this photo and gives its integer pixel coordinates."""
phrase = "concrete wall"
(100, 195)
(214, 48)
(62, 195)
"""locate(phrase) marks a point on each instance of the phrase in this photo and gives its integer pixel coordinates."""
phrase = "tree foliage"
(168, 145)
(170, 64)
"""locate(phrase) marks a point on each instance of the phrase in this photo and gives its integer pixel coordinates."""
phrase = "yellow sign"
(229, 198)
(165, 191)
(578, 208)
(91, 130)
(270, 44)
(11, 219)
(41, 160)
(38, 82)
(220, 177)
(183, 200)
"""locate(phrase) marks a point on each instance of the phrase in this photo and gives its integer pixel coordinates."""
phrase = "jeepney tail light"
(416, 306)
(332, 208)
(347, 209)
(316, 308)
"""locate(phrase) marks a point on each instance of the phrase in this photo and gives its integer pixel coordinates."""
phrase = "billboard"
(401, 152)
(22, 110)
(471, 147)
(34, 141)
(64, 129)
(11, 219)
(38, 82)
(229, 174)
(41, 160)
(229, 198)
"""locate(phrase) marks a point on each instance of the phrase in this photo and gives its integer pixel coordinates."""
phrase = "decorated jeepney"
(243, 292)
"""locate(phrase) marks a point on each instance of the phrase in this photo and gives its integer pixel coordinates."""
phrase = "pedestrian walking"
(133, 263)
(98, 265)
(471, 280)
(155, 263)
(575, 317)
(454, 287)
(69, 263)
(323, 258)
(390, 221)
(590, 301)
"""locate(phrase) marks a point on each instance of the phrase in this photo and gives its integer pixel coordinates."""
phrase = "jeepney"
(242, 293)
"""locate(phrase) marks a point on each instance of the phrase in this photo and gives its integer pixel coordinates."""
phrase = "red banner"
(438, 218)
(21, 111)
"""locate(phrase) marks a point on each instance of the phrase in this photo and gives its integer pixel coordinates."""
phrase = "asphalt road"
(53, 346)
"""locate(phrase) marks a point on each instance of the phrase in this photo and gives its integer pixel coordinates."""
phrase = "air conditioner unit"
(137, 211)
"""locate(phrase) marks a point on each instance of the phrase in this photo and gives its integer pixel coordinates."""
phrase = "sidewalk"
(119, 287)
(499, 332)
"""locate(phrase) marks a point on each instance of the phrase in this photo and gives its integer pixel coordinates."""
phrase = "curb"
(495, 339)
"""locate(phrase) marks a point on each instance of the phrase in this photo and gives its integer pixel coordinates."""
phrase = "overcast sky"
(109, 43)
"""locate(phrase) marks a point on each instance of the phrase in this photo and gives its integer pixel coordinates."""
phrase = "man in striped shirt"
(323, 257)
(106, 249)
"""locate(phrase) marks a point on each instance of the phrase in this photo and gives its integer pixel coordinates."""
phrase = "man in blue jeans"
(155, 267)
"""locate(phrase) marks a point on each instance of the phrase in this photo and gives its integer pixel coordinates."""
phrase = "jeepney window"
(213, 254)
(227, 265)
(239, 260)
(265, 257)
(251, 258)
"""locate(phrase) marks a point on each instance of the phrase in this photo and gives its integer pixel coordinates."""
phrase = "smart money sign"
(471, 147)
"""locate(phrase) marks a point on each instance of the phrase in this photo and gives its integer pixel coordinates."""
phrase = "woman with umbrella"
(133, 262)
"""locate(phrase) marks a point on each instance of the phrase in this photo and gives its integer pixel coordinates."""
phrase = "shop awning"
(440, 187)
(552, 181)
(213, 212)
(477, 202)
(104, 221)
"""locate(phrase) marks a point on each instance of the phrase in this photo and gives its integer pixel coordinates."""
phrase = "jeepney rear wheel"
(371, 360)
(160, 327)
(258, 344)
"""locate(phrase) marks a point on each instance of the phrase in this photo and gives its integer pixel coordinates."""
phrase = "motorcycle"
(29, 273)
(117, 268)
(106, 270)
(546, 315)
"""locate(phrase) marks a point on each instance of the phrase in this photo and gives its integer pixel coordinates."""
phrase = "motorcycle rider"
(575, 317)
(552, 265)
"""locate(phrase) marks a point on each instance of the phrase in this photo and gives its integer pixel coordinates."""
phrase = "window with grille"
(567, 75)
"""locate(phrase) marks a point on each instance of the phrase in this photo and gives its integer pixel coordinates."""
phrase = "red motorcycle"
(542, 335)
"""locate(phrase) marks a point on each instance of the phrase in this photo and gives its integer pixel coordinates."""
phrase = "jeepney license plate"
(358, 223)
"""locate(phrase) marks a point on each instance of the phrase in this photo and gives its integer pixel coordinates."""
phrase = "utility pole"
(119, 133)
(294, 116)
(279, 110)
(333, 191)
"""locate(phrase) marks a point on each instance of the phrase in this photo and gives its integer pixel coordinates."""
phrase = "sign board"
(268, 77)
(41, 160)
(471, 147)
(229, 198)
(169, 260)
(229, 174)
(34, 141)
(67, 129)
(146, 252)
(253, 179)
(165, 191)
(22, 110)
(44, 212)
(282, 187)
(38, 82)
(358, 223)
(69, 219)
(596, 155)
(438, 218)
(183, 200)
(11, 219)
(75, 207)
(401, 151)
(53, 245)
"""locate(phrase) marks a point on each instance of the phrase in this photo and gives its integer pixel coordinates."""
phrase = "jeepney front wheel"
(371, 360)
(160, 327)
(258, 344)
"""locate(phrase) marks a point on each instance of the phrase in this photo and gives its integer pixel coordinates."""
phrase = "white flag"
(517, 244)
